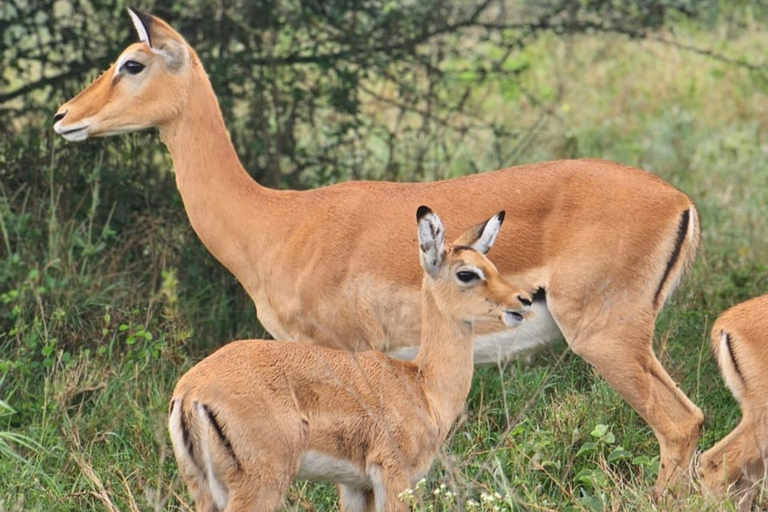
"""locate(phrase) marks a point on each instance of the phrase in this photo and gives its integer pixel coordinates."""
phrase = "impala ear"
(482, 236)
(161, 39)
(141, 22)
(431, 241)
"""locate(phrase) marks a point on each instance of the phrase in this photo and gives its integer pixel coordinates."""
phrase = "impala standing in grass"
(253, 416)
(740, 347)
(604, 244)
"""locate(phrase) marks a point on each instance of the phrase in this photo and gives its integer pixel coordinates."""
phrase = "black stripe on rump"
(728, 343)
(185, 430)
(220, 433)
(682, 229)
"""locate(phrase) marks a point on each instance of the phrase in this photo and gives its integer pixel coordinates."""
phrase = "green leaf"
(592, 503)
(588, 447)
(619, 453)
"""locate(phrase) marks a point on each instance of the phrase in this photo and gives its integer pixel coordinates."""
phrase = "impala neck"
(227, 209)
(444, 361)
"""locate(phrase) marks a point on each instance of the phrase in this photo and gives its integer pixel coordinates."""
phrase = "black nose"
(58, 117)
(524, 301)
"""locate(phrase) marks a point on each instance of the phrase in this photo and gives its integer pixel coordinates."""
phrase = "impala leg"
(201, 496)
(194, 479)
(352, 499)
(622, 354)
(388, 483)
(745, 491)
(263, 493)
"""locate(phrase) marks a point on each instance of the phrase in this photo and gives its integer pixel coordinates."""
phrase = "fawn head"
(464, 283)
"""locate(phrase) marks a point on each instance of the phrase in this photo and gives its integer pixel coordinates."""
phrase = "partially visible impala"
(249, 419)
(740, 346)
(602, 243)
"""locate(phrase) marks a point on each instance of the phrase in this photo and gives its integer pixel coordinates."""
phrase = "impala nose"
(59, 116)
(525, 301)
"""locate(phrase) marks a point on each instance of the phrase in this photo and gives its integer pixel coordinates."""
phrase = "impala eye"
(465, 276)
(132, 67)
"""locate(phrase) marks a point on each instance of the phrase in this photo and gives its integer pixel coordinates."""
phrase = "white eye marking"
(475, 270)
(467, 274)
(122, 60)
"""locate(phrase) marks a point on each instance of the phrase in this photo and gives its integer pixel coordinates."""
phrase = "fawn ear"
(161, 38)
(431, 241)
(482, 236)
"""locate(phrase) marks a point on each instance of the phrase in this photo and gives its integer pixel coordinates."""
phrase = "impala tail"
(725, 346)
(203, 451)
(682, 256)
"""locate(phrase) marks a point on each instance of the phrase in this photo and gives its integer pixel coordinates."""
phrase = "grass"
(102, 309)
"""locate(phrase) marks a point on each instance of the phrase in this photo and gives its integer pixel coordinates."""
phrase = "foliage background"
(106, 296)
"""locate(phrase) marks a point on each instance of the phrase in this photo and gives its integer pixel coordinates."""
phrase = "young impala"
(604, 244)
(253, 416)
(740, 346)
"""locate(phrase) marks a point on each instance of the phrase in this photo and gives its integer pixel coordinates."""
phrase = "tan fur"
(336, 266)
(738, 460)
(277, 403)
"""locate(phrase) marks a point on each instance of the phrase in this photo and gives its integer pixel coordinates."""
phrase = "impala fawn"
(255, 415)
(603, 243)
(740, 347)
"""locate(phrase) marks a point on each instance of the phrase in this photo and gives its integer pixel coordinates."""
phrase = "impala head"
(145, 87)
(718, 468)
(736, 462)
(463, 281)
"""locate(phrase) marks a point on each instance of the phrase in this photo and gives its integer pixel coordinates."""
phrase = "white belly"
(538, 330)
(318, 467)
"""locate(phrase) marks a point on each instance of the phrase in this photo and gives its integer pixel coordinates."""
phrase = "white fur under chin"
(538, 331)
(76, 136)
(72, 133)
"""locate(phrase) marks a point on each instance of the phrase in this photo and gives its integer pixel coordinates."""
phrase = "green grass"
(101, 310)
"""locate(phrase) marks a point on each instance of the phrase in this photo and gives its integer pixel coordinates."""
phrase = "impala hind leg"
(200, 494)
(356, 500)
(388, 484)
(262, 490)
(622, 354)
(263, 499)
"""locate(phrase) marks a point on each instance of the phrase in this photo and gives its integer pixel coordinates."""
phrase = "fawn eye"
(466, 276)
(132, 67)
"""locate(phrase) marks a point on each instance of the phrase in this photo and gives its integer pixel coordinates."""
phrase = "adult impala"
(740, 347)
(604, 244)
(254, 415)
